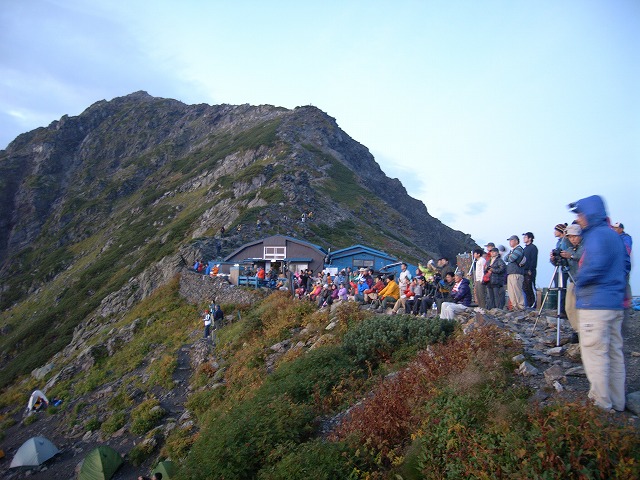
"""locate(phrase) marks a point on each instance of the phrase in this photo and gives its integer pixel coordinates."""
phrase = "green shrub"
(202, 401)
(30, 419)
(92, 425)
(139, 453)
(310, 376)
(178, 443)
(146, 416)
(317, 460)
(238, 443)
(114, 423)
(377, 338)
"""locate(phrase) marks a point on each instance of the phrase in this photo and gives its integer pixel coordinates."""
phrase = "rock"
(187, 425)
(576, 372)
(323, 340)
(90, 355)
(331, 326)
(555, 352)
(168, 428)
(40, 373)
(573, 352)
(518, 358)
(633, 402)
(527, 370)
(553, 374)
(558, 386)
(281, 347)
(219, 375)
(539, 396)
(635, 354)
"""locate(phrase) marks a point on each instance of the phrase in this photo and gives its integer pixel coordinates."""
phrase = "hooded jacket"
(463, 294)
(601, 280)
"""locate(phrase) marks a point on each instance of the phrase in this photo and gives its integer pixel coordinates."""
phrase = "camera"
(557, 260)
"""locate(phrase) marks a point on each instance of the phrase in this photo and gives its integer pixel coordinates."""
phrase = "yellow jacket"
(391, 290)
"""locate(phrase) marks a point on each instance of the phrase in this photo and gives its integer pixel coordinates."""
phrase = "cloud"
(475, 208)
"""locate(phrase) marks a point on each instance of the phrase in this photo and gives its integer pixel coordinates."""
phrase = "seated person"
(440, 292)
(325, 299)
(407, 295)
(315, 292)
(371, 293)
(460, 297)
(361, 287)
(389, 294)
(343, 293)
(412, 305)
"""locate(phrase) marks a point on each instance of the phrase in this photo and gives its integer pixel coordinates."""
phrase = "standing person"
(404, 279)
(562, 244)
(530, 266)
(207, 324)
(444, 267)
(487, 255)
(600, 291)
(218, 317)
(515, 273)
(572, 256)
(479, 290)
(628, 244)
(495, 289)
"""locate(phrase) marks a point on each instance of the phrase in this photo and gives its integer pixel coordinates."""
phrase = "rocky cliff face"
(113, 202)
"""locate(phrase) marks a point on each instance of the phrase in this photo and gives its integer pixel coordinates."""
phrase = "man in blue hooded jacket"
(599, 290)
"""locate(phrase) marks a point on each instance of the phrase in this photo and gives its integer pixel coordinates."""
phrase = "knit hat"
(561, 227)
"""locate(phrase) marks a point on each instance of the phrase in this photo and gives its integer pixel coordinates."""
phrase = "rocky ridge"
(100, 209)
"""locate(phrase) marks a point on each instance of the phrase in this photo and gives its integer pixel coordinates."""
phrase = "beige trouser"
(602, 357)
(399, 305)
(570, 306)
(514, 290)
(370, 297)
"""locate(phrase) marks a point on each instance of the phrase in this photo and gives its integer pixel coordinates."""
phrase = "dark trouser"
(495, 296)
(480, 291)
(410, 305)
(529, 288)
(562, 294)
(424, 306)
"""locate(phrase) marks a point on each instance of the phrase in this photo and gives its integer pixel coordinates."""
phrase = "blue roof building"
(361, 256)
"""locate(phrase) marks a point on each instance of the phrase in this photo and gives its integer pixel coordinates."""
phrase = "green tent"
(167, 468)
(100, 464)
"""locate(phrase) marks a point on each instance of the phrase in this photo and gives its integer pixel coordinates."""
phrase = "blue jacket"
(463, 295)
(601, 280)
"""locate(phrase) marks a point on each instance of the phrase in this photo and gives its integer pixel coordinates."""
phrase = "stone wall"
(197, 288)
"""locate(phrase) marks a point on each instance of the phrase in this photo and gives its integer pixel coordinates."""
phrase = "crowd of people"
(592, 260)
(593, 263)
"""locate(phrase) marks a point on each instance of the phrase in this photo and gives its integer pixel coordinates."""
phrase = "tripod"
(559, 288)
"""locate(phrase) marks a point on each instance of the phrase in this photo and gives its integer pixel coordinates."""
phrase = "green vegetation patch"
(238, 443)
(375, 339)
(146, 416)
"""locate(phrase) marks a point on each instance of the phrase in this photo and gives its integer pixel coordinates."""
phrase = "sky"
(496, 114)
